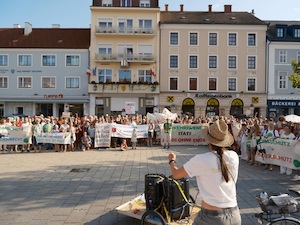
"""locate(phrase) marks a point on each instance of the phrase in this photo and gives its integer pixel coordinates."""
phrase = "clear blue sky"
(76, 13)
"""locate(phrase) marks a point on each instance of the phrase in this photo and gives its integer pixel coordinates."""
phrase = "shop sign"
(212, 95)
(283, 103)
(54, 96)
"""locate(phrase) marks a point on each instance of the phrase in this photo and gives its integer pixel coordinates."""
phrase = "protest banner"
(102, 135)
(54, 138)
(11, 135)
(281, 152)
(185, 134)
(125, 131)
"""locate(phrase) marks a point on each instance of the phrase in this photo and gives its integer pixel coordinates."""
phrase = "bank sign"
(283, 103)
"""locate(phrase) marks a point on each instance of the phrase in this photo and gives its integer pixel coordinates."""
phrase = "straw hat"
(218, 134)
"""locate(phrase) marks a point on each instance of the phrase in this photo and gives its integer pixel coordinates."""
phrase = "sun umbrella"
(292, 118)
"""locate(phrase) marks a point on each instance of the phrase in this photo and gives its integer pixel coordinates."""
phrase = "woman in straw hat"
(216, 173)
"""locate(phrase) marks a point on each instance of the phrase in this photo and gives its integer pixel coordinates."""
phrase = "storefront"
(283, 107)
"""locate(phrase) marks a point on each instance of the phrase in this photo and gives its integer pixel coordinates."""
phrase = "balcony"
(125, 31)
(139, 58)
(123, 88)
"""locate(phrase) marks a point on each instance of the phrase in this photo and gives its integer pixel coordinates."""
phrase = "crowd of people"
(82, 131)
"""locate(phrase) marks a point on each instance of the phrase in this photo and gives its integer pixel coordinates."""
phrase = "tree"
(295, 76)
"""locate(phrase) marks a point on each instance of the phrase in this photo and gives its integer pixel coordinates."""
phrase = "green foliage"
(295, 76)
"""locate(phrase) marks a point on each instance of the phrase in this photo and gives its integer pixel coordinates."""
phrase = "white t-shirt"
(213, 188)
(291, 136)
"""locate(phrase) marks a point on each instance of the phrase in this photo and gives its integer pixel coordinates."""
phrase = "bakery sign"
(54, 96)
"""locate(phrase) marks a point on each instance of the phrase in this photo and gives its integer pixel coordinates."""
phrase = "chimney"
(27, 29)
(166, 7)
(55, 25)
(209, 8)
(227, 8)
(17, 25)
(253, 13)
(181, 8)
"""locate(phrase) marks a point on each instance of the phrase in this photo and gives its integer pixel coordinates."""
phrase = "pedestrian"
(85, 141)
(167, 133)
(150, 133)
(124, 146)
(216, 173)
(133, 139)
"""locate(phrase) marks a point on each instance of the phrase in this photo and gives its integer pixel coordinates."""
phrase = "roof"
(188, 17)
(45, 38)
(289, 27)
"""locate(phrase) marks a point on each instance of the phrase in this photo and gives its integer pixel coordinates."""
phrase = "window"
(24, 82)
(106, 2)
(105, 24)
(48, 60)
(125, 3)
(3, 60)
(145, 23)
(212, 84)
(144, 76)
(173, 38)
(212, 62)
(231, 84)
(173, 61)
(251, 84)
(279, 32)
(282, 80)
(145, 3)
(72, 82)
(125, 76)
(251, 62)
(19, 110)
(105, 49)
(145, 50)
(48, 82)
(297, 32)
(173, 83)
(213, 38)
(125, 25)
(232, 62)
(72, 60)
(232, 39)
(25, 60)
(193, 62)
(251, 40)
(193, 81)
(282, 56)
(193, 38)
(3, 82)
(105, 75)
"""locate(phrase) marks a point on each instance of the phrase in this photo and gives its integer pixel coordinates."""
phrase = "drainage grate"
(78, 170)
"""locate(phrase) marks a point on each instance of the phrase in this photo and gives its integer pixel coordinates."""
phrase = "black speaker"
(178, 197)
(154, 191)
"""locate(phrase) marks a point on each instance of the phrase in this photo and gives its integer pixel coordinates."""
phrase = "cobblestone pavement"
(39, 188)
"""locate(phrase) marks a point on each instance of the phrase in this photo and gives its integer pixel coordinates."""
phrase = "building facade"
(212, 63)
(124, 56)
(283, 45)
(43, 71)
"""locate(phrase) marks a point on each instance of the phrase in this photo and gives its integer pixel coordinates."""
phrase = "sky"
(76, 13)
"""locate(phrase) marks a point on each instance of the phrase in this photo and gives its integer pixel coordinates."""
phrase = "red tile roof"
(45, 38)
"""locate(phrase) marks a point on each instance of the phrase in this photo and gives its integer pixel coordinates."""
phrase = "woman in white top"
(287, 134)
(216, 173)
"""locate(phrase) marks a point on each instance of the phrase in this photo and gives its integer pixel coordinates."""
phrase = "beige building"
(124, 57)
(212, 62)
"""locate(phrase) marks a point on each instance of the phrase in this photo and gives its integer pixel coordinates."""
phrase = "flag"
(88, 71)
(153, 71)
(95, 71)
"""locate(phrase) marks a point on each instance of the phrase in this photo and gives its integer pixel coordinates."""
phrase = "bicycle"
(277, 209)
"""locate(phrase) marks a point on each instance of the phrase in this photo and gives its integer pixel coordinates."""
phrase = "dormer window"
(145, 3)
(107, 3)
(280, 32)
(297, 33)
(126, 3)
